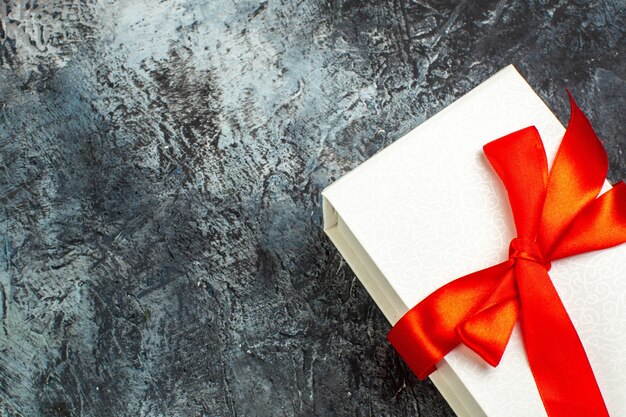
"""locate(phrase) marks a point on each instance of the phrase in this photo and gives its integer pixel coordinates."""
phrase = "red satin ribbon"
(556, 215)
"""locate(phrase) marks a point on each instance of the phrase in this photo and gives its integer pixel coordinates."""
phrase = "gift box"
(429, 209)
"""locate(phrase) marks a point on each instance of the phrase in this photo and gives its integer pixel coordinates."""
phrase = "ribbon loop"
(526, 192)
(575, 180)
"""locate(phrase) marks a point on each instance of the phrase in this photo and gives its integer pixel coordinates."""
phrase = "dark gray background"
(161, 165)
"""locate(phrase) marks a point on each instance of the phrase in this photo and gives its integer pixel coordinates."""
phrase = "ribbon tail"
(427, 332)
(555, 353)
(488, 332)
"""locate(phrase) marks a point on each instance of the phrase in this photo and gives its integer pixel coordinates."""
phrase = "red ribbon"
(556, 215)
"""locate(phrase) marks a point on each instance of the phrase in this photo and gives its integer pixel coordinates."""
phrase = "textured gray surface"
(161, 164)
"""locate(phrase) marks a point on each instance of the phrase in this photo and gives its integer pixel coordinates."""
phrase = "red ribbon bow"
(556, 215)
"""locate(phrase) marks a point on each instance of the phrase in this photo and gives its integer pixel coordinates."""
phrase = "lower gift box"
(429, 209)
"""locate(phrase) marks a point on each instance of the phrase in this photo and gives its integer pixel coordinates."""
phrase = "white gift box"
(429, 209)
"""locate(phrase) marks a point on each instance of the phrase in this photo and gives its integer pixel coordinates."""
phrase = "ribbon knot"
(524, 248)
(556, 215)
